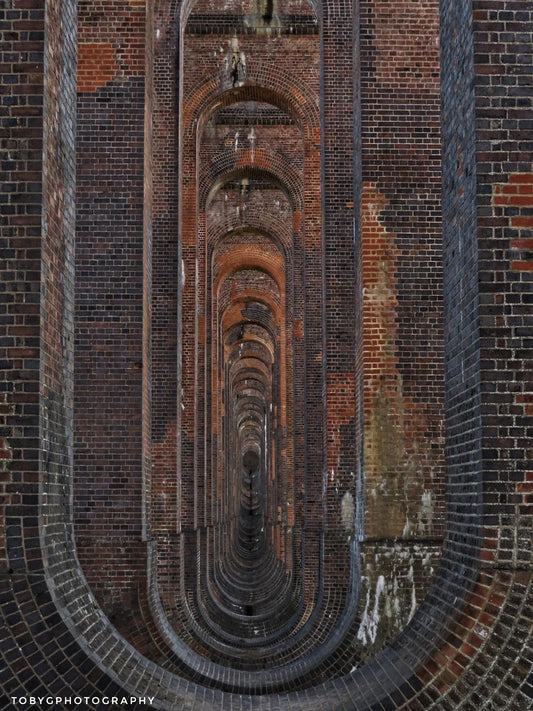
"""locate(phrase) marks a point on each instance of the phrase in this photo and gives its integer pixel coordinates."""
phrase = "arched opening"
(271, 327)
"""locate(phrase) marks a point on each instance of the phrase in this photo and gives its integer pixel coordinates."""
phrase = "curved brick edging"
(469, 644)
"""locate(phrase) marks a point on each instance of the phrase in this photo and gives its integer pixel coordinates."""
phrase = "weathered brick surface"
(20, 205)
(312, 264)
(40, 653)
(401, 269)
(108, 461)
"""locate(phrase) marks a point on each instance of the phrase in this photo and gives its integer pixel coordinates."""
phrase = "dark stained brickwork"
(401, 269)
(39, 650)
(21, 195)
(266, 401)
(109, 303)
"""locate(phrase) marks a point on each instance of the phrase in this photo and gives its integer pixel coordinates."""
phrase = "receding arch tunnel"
(258, 528)
(293, 499)
(281, 426)
(238, 307)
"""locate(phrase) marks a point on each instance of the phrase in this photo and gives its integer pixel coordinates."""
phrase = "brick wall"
(400, 381)
(37, 229)
(108, 461)
(485, 97)
(467, 643)
(402, 272)
(21, 197)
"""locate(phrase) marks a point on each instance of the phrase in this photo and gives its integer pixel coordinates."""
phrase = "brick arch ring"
(269, 166)
(283, 91)
(412, 657)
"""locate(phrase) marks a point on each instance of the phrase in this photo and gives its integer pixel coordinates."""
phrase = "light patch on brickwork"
(368, 628)
(396, 577)
(399, 463)
(348, 513)
(425, 515)
(6, 454)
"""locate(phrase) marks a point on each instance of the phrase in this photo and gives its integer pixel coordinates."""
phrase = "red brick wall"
(110, 301)
(468, 644)
(402, 303)
(150, 344)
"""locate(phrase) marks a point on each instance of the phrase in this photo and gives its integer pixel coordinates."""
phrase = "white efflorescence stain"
(368, 628)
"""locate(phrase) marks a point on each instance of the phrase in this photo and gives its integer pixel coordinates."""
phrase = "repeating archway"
(252, 290)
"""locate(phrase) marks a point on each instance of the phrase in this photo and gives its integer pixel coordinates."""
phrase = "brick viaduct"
(266, 400)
